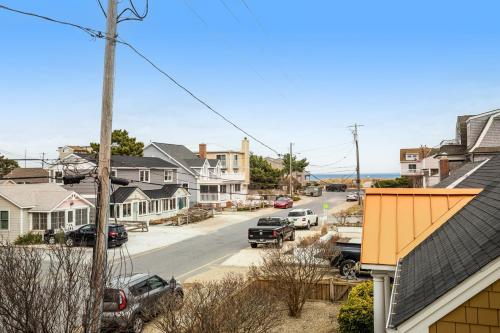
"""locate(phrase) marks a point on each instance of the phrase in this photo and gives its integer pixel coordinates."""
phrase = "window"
(70, 216)
(155, 282)
(411, 157)
(81, 216)
(39, 221)
(140, 288)
(235, 161)
(222, 159)
(434, 172)
(57, 220)
(237, 187)
(154, 206)
(143, 208)
(412, 166)
(164, 204)
(173, 204)
(4, 220)
(114, 211)
(127, 209)
(223, 188)
(144, 176)
(168, 176)
(236, 170)
(182, 202)
(113, 173)
(185, 185)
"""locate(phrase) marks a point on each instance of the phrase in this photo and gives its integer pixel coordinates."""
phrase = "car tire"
(317, 221)
(292, 236)
(253, 245)
(308, 226)
(70, 242)
(137, 324)
(51, 240)
(347, 267)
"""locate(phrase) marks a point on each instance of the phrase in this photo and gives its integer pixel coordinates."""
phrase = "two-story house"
(235, 168)
(202, 176)
(144, 173)
(421, 166)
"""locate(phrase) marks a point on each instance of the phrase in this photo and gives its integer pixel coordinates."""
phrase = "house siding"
(481, 313)
(14, 221)
(474, 129)
(183, 177)
(492, 138)
(156, 176)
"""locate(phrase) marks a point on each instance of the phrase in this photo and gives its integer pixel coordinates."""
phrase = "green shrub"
(356, 314)
(29, 239)
(295, 198)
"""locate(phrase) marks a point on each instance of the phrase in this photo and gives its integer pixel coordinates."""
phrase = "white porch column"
(387, 295)
(378, 303)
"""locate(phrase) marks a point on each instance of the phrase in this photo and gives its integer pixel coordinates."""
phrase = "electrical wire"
(99, 34)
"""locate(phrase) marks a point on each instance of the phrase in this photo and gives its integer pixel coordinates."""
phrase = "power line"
(99, 34)
(229, 10)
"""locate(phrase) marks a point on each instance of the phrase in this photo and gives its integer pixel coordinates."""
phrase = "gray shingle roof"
(121, 194)
(166, 191)
(179, 152)
(213, 162)
(124, 161)
(195, 162)
(485, 175)
(458, 249)
(458, 173)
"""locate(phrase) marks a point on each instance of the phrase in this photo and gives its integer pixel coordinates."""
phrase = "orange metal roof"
(396, 220)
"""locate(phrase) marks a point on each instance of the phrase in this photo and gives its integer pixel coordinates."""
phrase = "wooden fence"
(331, 289)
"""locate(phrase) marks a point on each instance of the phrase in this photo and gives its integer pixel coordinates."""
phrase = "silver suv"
(128, 301)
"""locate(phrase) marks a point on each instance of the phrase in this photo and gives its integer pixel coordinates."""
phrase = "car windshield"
(269, 222)
(282, 199)
(292, 214)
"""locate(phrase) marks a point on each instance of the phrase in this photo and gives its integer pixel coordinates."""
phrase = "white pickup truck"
(303, 218)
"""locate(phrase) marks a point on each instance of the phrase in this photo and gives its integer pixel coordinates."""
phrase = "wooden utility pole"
(100, 256)
(290, 172)
(358, 176)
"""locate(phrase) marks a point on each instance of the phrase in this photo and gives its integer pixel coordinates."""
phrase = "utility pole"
(358, 176)
(290, 172)
(43, 160)
(99, 255)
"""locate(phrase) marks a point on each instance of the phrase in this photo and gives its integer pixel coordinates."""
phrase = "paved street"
(192, 256)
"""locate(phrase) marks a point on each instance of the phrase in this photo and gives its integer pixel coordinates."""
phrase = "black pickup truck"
(346, 258)
(271, 230)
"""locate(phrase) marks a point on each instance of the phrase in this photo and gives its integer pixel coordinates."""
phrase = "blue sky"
(299, 71)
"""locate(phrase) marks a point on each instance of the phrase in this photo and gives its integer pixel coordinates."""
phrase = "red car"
(283, 202)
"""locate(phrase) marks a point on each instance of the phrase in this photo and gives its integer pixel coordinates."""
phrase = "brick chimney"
(444, 167)
(202, 150)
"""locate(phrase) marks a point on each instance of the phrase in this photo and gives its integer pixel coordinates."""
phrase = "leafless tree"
(42, 290)
(225, 306)
(293, 275)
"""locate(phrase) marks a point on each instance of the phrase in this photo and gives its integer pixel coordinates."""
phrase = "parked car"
(129, 301)
(314, 191)
(271, 230)
(303, 218)
(347, 258)
(85, 235)
(352, 197)
(283, 202)
(336, 187)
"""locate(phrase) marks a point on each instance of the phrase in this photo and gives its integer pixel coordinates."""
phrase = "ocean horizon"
(375, 175)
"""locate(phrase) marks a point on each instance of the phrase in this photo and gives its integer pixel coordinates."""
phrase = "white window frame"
(142, 176)
(53, 221)
(8, 219)
(168, 176)
(143, 206)
(33, 221)
(164, 205)
(127, 209)
(239, 188)
(84, 218)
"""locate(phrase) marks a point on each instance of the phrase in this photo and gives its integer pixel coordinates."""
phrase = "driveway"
(197, 253)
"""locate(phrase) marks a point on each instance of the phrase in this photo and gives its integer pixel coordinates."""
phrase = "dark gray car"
(128, 301)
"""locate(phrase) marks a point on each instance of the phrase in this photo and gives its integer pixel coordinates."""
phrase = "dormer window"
(144, 176)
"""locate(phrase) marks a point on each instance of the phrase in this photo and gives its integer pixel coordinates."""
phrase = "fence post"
(332, 291)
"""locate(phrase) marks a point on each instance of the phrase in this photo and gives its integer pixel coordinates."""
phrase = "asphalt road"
(192, 256)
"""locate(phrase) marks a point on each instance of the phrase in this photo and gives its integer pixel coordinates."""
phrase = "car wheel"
(292, 237)
(137, 324)
(52, 240)
(347, 268)
(253, 245)
(308, 225)
(70, 242)
(317, 221)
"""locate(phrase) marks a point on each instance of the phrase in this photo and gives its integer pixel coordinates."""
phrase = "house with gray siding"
(203, 177)
(35, 208)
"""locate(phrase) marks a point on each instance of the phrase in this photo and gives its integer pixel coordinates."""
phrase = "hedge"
(356, 314)
(29, 239)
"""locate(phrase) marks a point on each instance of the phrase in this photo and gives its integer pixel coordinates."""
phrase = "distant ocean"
(350, 175)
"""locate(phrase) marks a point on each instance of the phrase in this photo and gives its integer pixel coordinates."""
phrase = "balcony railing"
(209, 197)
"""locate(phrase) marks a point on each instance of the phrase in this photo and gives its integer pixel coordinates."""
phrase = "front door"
(70, 220)
(135, 210)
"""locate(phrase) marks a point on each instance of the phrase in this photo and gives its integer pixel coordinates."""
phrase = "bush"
(29, 239)
(295, 198)
(356, 315)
